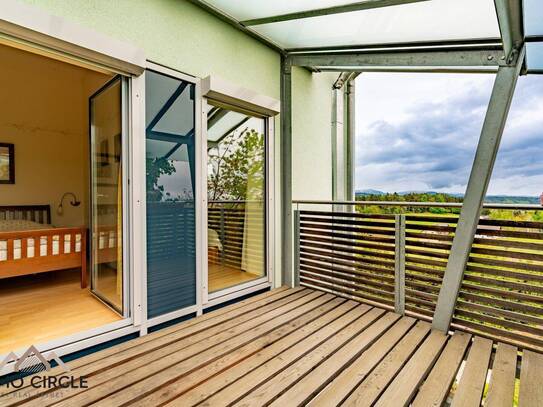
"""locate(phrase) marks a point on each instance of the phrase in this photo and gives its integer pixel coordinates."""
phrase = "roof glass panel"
(534, 57)
(247, 10)
(533, 17)
(436, 20)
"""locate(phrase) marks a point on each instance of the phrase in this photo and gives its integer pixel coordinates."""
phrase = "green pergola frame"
(504, 57)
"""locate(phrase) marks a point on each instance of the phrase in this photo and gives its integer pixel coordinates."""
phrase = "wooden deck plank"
(180, 338)
(356, 350)
(372, 386)
(184, 329)
(472, 382)
(121, 376)
(257, 383)
(306, 325)
(362, 332)
(531, 389)
(340, 377)
(502, 381)
(340, 388)
(402, 389)
(269, 361)
(437, 386)
(299, 347)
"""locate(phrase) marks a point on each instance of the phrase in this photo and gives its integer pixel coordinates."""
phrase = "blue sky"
(418, 132)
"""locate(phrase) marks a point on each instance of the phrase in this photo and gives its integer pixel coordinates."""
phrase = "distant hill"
(370, 192)
(509, 199)
(422, 196)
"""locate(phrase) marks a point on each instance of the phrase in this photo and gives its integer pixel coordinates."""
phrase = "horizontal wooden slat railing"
(227, 218)
(357, 256)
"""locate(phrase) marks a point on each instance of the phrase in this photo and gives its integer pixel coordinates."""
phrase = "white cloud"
(420, 131)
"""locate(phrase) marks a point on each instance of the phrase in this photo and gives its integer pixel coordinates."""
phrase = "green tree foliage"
(409, 197)
(156, 167)
(495, 214)
(236, 167)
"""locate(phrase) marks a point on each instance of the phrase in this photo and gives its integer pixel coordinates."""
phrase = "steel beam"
(479, 43)
(510, 19)
(346, 8)
(360, 60)
(286, 173)
(409, 69)
(481, 171)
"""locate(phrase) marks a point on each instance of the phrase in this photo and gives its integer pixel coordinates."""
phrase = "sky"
(419, 132)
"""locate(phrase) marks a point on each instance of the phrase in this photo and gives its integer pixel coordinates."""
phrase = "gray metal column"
(338, 146)
(286, 173)
(351, 141)
(489, 142)
(399, 265)
(297, 247)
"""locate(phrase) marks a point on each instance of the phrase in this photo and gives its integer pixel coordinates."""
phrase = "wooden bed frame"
(25, 265)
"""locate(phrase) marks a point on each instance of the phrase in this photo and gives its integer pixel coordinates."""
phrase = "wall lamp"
(73, 202)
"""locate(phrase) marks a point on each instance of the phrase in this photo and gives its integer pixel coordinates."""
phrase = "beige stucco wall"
(180, 35)
(43, 112)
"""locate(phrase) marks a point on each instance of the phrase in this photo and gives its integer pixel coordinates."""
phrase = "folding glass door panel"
(236, 186)
(171, 223)
(106, 157)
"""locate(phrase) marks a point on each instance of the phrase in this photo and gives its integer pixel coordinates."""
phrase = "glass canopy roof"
(422, 21)
(325, 25)
(533, 18)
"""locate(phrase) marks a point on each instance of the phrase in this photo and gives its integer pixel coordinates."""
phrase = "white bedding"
(26, 225)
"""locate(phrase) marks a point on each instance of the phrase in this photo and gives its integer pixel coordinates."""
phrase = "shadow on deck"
(292, 347)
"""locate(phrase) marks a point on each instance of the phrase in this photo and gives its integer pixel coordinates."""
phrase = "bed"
(30, 245)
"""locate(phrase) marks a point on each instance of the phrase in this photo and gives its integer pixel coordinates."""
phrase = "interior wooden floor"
(221, 276)
(43, 307)
(292, 347)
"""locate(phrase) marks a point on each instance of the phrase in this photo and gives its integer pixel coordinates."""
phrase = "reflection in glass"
(236, 195)
(171, 235)
(106, 205)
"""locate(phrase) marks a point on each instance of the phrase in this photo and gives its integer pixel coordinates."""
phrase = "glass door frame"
(198, 196)
(229, 293)
(125, 169)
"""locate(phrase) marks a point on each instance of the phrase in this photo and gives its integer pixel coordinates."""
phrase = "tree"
(156, 167)
(236, 167)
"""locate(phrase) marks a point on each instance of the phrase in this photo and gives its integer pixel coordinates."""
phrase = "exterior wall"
(182, 36)
(312, 134)
(45, 116)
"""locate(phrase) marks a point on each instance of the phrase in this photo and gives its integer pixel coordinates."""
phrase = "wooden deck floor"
(293, 347)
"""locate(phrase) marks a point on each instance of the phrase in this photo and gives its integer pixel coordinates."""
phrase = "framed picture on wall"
(7, 163)
(108, 159)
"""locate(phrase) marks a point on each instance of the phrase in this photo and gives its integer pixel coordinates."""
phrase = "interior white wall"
(44, 113)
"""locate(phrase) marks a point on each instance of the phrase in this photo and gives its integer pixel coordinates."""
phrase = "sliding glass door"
(236, 186)
(106, 173)
(171, 221)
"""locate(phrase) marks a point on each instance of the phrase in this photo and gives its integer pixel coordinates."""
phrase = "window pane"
(171, 241)
(236, 195)
(534, 57)
(106, 183)
(533, 17)
(434, 20)
(248, 10)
